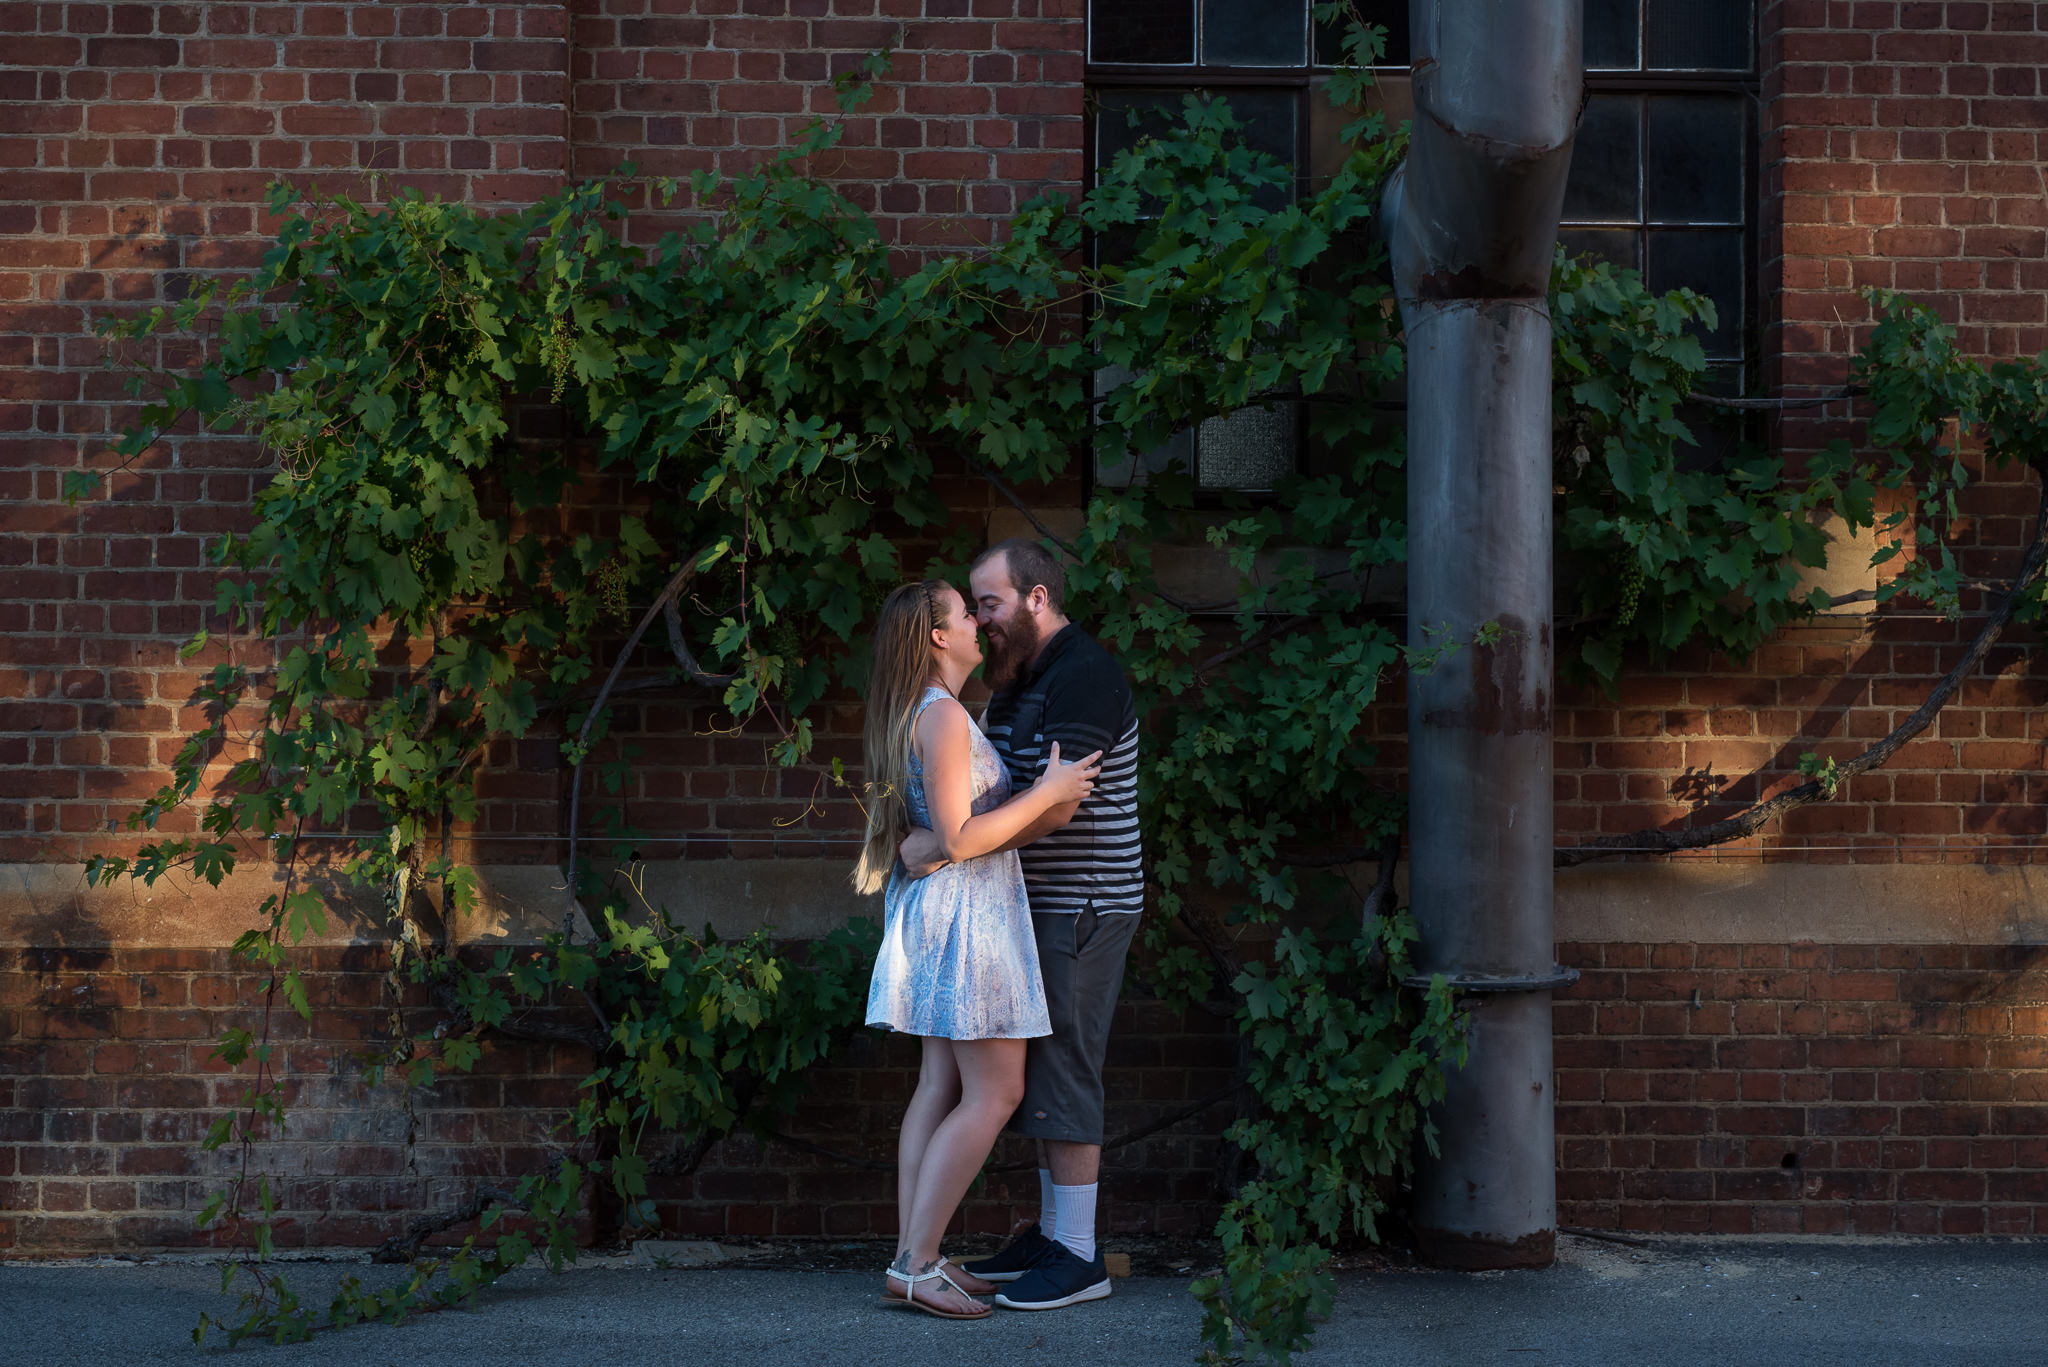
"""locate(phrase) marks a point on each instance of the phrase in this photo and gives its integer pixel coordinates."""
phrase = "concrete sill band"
(1681, 901)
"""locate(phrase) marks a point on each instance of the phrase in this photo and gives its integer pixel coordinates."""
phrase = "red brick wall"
(106, 1091)
(137, 138)
(1901, 150)
(981, 108)
(1904, 1084)
(1699, 739)
(1816, 1089)
(1160, 1063)
(135, 144)
(109, 1089)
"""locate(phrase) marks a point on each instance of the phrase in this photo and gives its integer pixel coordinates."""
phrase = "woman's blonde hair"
(903, 662)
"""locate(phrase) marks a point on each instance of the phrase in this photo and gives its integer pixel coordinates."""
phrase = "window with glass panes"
(1144, 56)
(1663, 174)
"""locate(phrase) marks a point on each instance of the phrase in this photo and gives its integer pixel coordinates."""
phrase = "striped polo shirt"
(1075, 694)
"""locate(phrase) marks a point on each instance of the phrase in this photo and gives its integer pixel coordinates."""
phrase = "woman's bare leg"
(938, 1092)
(991, 1074)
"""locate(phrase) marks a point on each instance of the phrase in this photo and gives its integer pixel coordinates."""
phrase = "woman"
(958, 965)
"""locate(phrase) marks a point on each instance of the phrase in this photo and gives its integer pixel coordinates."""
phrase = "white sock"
(1077, 1220)
(1048, 1204)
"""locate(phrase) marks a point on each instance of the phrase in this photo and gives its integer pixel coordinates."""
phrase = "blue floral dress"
(958, 958)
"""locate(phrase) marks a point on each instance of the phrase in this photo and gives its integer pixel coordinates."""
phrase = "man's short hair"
(1031, 566)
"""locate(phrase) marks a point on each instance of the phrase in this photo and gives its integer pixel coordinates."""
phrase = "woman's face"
(956, 637)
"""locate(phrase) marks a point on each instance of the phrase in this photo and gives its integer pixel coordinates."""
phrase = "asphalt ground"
(1668, 1303)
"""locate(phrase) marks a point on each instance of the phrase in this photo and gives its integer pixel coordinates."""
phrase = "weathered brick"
(144, 53)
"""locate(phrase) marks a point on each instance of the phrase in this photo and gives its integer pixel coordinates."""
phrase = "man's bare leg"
(1073, 1165)
(1076, 1168)
(1070, 1165)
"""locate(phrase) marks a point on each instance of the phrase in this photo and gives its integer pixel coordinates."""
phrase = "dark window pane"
(1722, 380)
(1606, 161)
(1253, 448)
(1121, 470)
(1267, 118)
(1116, 246)
(1697, 35)
(1616, 245)
(1610, 34)
(1254, 32)
(1160, 32)
(1716, 432)
(1708, 263)
(1694, 170)
(1390, 15)
(1156, 110)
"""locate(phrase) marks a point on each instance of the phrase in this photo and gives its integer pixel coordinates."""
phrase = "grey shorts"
(1081, 956)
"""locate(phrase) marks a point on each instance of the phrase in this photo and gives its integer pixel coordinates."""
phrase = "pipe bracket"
(1558, 976)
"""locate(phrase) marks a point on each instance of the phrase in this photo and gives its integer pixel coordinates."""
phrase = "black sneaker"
(1061, 1278)
(1017, 1257)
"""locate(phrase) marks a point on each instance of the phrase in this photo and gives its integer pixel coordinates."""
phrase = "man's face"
(1006, 619)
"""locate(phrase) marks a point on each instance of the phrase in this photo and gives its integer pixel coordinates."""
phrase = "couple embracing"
(1009, 907)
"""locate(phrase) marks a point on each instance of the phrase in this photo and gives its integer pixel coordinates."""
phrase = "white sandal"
(909, 1296)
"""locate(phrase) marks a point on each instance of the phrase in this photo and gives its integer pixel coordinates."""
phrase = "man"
(1083, 872)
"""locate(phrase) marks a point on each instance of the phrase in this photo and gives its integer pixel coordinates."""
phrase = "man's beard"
(1011, 653)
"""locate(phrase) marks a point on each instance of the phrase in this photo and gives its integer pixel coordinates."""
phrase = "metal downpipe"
(1479, 744)
(1472, 221)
